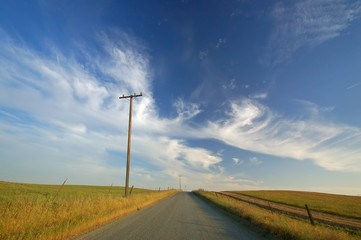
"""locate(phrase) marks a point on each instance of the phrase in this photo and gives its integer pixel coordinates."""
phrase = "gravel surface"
(180, 216)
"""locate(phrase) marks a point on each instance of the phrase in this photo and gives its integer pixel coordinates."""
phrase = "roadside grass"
(281, 225)
(341, 205)
(28, 211)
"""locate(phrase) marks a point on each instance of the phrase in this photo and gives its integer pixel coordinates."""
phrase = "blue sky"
(236, 94)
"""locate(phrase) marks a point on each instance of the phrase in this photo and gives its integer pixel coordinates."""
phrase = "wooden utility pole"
(180, 182)
(129, 135)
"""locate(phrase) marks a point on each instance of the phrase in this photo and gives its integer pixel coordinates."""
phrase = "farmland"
(282, 225)
(29, 211)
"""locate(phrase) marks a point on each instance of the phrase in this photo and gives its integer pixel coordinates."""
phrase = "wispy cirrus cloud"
(255, 161)
(307, 23)
(262, 95)
(186, 111)
(237, 161)
(65, 116)
(313, 109)
(220, 42)
(231, 85)
(353, 86)
(252, 126)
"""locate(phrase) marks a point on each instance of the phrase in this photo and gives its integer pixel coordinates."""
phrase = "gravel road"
(180, 216)
(325, 218)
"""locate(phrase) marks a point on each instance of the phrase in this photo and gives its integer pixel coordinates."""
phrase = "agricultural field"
(342, 205)
(282, 225)
(29, 211)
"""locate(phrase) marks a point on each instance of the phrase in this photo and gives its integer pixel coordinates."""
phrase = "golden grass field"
(28, 211)
(281, 225)
(342, 205)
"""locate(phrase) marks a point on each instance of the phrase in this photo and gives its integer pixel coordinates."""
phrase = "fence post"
(309, 215)
(131, 190)
(60, 189)
(269, 205)
(110, 188)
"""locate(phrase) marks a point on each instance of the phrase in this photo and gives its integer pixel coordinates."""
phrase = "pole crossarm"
(131, 96)
(129, 137)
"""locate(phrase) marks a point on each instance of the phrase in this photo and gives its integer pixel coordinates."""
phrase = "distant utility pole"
(180, 182)
(129, 134)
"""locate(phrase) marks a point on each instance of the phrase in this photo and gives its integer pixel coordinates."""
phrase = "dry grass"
(27, 211)
(341, 205)
(281, 225)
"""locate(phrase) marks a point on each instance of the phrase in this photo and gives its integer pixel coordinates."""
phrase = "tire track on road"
(325, 218)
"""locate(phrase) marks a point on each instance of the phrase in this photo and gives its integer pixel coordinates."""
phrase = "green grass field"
(28, 211)
(341, 205)
(281, 225)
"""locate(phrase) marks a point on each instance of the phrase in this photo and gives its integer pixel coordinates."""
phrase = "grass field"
(28, 211)
(349, 206)
(281, 225)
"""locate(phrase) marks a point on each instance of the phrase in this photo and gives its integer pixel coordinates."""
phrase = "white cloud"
(66, 116)
(127, 65)
(185, 110)
(203, 54)
(307, 23)
(175, 154)
(254, 127)
(220, 42)
(146, 177)
(353, 85)
(77, 128)
(263, 95)
(313, 109)
(12, 116)
(230, 85)
(237, 161)
(255, 161)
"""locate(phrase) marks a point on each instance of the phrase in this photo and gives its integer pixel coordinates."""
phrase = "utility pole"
(180, 182)
(129, 136)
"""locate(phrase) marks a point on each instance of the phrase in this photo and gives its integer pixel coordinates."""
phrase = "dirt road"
(325, 218)
(181, 216)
